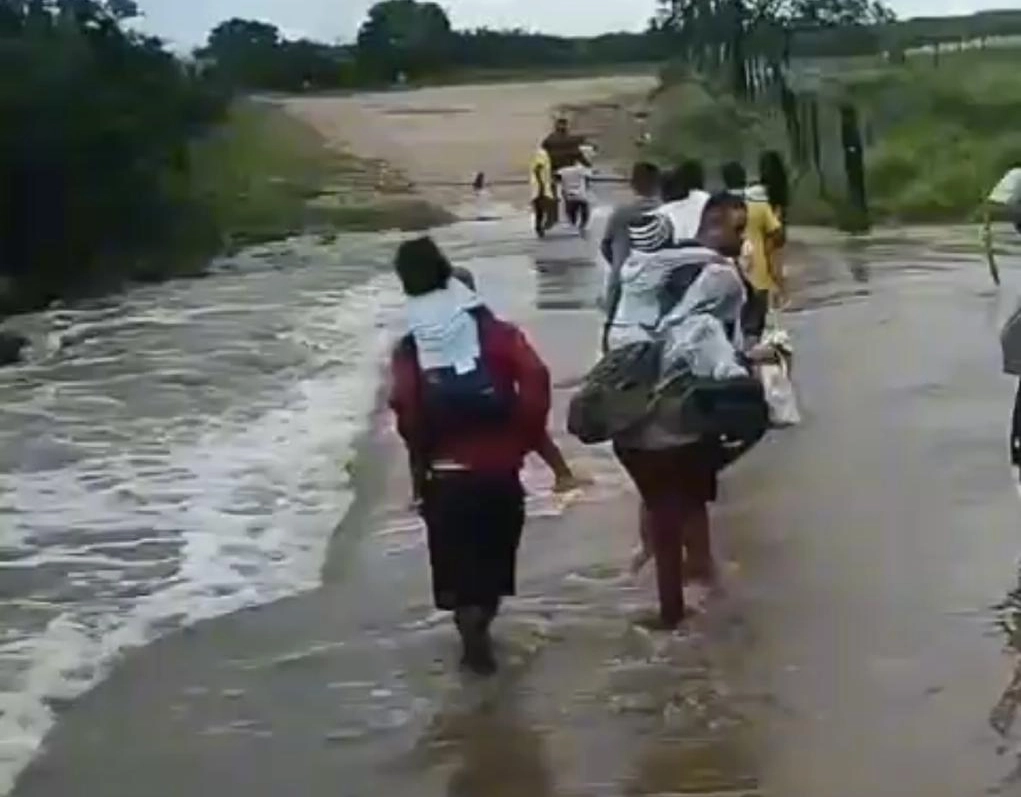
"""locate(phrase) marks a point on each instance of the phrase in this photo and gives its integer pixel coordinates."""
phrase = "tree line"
(95, 127)
(748, 37)
(405, 39)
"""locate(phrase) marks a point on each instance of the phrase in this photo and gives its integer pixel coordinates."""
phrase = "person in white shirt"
(684, 199)
(575, 181)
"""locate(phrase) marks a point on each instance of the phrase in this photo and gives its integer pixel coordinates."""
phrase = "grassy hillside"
(265, 175)
(937, 137)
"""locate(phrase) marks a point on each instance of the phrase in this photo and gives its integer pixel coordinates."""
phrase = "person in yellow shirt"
(760, 258)
(540, 176)
(764, 234)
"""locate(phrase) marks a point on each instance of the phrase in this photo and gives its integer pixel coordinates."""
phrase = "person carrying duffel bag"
(681, 308)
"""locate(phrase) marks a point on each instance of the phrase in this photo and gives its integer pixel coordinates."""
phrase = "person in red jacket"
(471, 398)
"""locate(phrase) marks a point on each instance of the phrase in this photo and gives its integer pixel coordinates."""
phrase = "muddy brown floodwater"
(865, 646)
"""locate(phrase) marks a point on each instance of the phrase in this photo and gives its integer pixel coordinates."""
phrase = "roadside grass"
(938, 135)
(264, 175)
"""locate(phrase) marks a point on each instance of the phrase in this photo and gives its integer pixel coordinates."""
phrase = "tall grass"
(944, 135)
(939, 136)
(265, 175)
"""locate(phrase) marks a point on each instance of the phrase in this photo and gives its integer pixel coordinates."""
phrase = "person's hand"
(762, 353)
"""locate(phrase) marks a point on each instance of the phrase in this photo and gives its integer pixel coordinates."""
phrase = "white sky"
(185, 23)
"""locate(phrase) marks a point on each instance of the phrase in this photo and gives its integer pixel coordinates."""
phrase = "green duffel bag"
(617, 394)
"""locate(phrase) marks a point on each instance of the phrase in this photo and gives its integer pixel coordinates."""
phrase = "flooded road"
(187, 450)
(875, 540)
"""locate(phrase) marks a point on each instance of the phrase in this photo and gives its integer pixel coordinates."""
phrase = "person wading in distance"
(544, 201)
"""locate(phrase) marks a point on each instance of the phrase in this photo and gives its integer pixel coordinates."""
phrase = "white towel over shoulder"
(445, 332)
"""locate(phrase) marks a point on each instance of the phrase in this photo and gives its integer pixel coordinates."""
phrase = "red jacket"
(514, 366)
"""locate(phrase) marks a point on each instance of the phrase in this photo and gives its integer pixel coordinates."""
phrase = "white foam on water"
(239, 515)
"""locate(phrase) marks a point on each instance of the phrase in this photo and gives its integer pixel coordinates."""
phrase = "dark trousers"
(473, 523)
(578, 212)
(544, 212)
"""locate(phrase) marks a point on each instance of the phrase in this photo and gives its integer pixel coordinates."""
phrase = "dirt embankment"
(441, 137)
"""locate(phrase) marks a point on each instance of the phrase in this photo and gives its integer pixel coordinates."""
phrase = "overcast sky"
(186, 22)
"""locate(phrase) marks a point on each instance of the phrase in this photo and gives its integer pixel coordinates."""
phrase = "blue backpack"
(465, 400)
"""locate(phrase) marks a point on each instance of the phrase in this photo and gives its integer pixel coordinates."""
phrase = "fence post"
(789, 106)
(854, 165)
(813, 132)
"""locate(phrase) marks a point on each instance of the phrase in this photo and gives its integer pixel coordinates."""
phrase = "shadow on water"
(492, 751)
(569, 282)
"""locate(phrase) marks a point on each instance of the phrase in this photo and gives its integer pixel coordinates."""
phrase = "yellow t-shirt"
(542, 164)
(762, 223)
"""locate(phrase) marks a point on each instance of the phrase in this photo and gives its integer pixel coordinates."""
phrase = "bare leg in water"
(565, 479)
(642, 553)
(699, 566)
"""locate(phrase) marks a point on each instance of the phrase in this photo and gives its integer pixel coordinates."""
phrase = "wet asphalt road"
(858, 652)
(875, 540)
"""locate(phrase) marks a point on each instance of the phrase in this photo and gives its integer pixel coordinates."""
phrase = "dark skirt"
(687, 471)
(474, 524)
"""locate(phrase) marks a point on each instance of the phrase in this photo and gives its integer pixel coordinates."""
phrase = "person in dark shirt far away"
(735, 178)
(564, 148)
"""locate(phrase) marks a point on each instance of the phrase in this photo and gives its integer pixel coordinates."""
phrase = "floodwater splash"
(174, 454)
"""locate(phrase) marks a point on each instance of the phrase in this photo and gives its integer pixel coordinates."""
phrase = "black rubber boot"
(473, 626)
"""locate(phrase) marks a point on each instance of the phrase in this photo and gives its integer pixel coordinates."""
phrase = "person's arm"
(773, 235)
(1015, 430)
(534, 396)
(613, 293)
(404, 401)
(613, 224)
(539, 180)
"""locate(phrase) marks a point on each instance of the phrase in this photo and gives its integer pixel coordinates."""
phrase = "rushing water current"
(174, 453)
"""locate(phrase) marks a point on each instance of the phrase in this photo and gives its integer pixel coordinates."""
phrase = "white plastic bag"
(783, 404)
(776, 380)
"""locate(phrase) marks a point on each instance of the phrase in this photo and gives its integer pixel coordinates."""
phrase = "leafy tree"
(404, 36)
(93, 147)
(249, 54)
(244, 51)
(735, 34)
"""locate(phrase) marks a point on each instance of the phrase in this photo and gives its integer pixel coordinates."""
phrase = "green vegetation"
(938, 137)
(265, 175)
(120, 162)
(94, 151)
(413, 41)
(944, 135)
(798, 76)
(984, 27)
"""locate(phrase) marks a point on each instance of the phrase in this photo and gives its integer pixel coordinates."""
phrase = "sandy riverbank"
(446, 134)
